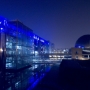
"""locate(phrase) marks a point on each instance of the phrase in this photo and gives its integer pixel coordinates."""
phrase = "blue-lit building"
(19, 47)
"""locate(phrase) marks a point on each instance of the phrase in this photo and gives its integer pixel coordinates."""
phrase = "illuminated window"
(8, 45)
(50, 56)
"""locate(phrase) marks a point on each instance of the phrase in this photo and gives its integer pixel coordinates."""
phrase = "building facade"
(82, 48)
(19, 47)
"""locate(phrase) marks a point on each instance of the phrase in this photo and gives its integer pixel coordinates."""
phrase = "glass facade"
(19, 47)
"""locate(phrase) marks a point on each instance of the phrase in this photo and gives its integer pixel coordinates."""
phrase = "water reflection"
(29, 77)
(39, 71)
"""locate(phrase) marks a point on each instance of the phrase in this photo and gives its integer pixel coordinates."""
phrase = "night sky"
(60, 21)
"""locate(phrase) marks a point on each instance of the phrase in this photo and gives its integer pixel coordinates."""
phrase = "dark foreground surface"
(50, 81)
(69, 75)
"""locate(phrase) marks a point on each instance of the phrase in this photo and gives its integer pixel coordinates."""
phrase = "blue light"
(5, 22)
(31, 79)
(36, 82)
(0, 22)
(38, 38)
(79, 46)
(41, 40)
(1, 28)
(35, 37)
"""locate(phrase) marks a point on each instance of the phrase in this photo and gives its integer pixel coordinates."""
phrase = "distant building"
(80, 51)
(52, 47)
(82, 48)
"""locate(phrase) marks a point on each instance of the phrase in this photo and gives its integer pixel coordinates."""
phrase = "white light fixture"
(50, 56)
(64, 50)
(18, 47)
(1, 50)
(1, 28)
(36, 52)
